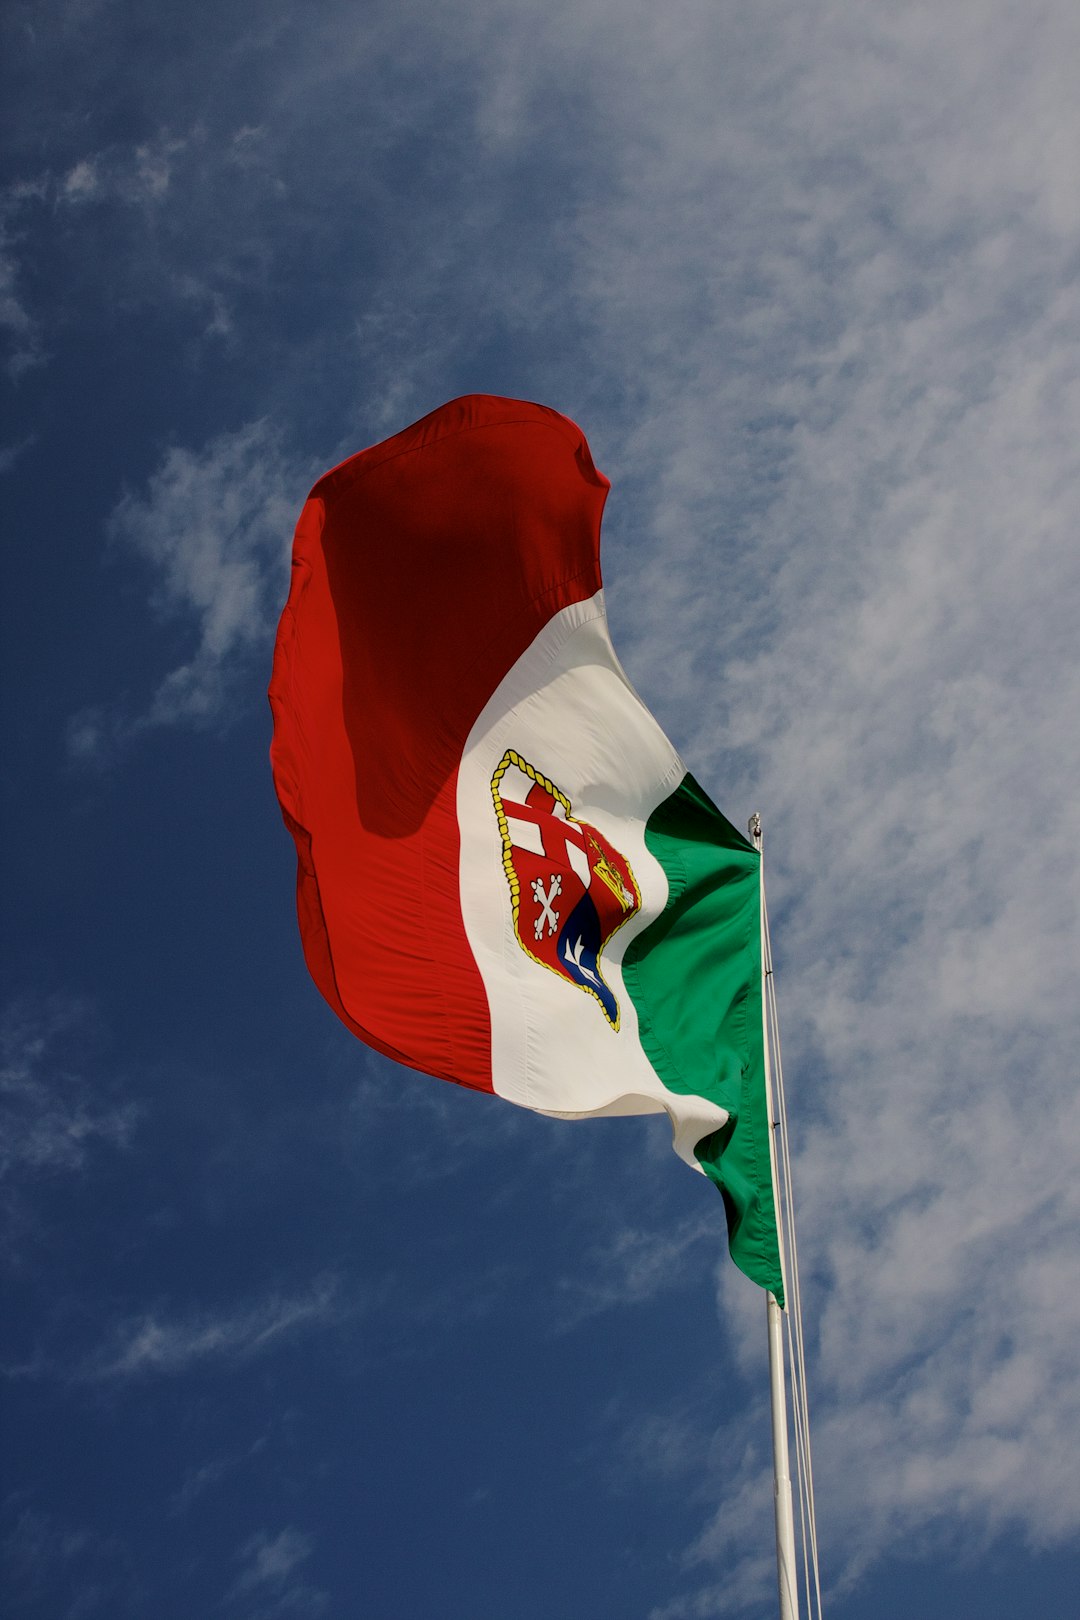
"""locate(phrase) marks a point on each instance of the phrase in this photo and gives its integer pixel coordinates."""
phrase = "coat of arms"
(569, 887)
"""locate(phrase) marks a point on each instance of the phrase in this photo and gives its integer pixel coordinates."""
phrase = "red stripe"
(422, 569)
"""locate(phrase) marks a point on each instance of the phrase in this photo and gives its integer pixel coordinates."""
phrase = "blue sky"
(290, 1332)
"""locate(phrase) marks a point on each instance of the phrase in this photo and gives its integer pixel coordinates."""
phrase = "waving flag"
(506, 876)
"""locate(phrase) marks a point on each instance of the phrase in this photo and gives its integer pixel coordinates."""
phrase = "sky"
(292, 1332)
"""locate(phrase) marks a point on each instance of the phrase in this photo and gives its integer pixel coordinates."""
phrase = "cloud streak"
(20, 329)
(636, 1267)
(50, 1122)
(150, 1343)
(268, 1576)
(213, 528)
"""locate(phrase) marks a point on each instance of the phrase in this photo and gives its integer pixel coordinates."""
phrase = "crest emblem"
(570, 889)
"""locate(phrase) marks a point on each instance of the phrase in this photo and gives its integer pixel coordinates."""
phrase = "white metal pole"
(786, 1575)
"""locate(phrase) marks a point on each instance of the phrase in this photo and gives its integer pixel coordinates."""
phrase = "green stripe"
(694, 976)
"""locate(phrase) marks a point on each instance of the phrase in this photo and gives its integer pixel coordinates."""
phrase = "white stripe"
(567, 709)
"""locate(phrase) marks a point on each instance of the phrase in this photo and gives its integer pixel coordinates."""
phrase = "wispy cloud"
(152, 1343)
(20, 329)
(134, 178)
(210, 1474)
(50, 1119)
(11, 453)
(54, 1566)
(138, 175)
(213, 527)
(64, 1123)
(268, 1576)
(268, 1559)
(637, 1266)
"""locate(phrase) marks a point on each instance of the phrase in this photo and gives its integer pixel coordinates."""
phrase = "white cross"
(544, 898)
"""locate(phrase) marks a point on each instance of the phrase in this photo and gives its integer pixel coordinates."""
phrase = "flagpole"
(787, 1578)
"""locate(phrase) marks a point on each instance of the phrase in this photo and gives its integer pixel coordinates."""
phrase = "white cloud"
(16, 322)
(130, 225)
(51, 1120)
(214, 526)
(153, 168)
(52, 1566)
(637, 1266)
(210, 1474)
(268, 1576)
(10, 454)
(61, 1122)
(138, 175)
(82, 181)
(151, 1343)
(41, 209)
(269, 1559)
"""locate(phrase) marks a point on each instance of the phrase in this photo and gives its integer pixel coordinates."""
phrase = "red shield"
(570, 888)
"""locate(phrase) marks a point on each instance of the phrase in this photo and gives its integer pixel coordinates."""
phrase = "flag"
(506, 877)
